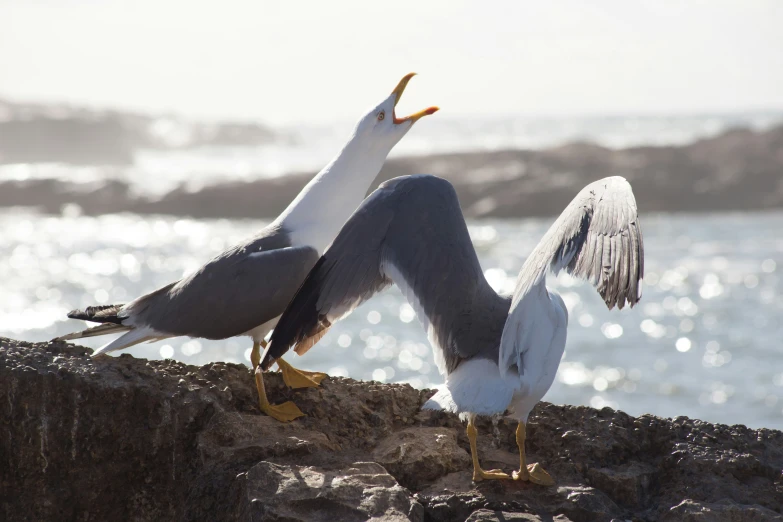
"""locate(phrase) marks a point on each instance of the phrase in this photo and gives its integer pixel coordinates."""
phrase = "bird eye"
(381, 115)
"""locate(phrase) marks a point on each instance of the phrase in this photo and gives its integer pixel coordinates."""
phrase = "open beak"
(397, 92)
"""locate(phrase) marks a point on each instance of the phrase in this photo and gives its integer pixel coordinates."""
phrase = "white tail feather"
(103, 329)
(135, 336)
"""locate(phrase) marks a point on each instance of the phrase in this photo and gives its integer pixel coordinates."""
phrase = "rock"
(485, 515)
(247, 437)
(691, 511)
(629, 485)
(418, 456)
(114, 438)
(363, 491)
(585, 503)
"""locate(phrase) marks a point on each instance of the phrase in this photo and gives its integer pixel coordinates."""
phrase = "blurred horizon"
(281, 64)
(347, 121)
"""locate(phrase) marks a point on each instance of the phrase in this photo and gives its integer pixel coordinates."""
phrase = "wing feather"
(410, 232)
(601, 227)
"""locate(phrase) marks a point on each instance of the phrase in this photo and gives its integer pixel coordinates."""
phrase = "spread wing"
(596, 238)
(409, 232)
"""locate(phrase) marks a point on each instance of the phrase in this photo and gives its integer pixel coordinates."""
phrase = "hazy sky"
(286, 61)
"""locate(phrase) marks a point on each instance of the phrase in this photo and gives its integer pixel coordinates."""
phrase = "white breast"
(476, 387)
(540, 361)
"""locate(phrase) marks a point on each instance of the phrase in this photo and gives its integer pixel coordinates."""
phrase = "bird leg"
(293, 377)
(299, 378)
(255, 353)
(285, 412)
(531, 472)
(478, 473)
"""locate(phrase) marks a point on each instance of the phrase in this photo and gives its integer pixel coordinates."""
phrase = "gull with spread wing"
(497, 352)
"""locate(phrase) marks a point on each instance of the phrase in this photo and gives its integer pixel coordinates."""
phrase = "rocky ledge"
(130, 439)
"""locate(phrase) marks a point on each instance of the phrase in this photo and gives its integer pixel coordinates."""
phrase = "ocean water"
(705, 341)
(307, 148)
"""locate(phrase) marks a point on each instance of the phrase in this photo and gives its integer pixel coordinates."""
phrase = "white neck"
(319, 211)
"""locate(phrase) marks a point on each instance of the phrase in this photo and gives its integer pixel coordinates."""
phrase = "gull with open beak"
(244, 290)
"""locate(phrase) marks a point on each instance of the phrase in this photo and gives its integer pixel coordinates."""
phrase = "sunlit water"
(704, 342)
(307, 148)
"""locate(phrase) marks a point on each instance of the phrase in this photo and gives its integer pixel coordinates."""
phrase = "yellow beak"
(397, 92)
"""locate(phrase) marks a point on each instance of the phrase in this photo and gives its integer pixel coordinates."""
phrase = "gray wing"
(597, 238)
(235, 292)
(409, 232)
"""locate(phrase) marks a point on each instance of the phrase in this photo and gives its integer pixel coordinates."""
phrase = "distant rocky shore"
(125, 438)
(35, 133)
(738, 170)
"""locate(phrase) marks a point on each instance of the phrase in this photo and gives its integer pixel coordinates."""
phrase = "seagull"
(244, 290)
(497, 352)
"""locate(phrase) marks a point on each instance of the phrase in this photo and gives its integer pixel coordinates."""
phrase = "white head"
(380, 127)
(314, 218)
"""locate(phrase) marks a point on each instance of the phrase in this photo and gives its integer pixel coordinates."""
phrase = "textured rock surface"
(360, 491)
(124, 438)
(485, 515)
(690, 511)
(418, 456)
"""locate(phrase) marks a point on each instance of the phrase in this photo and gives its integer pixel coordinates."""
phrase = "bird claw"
(285, 412)
(535, 474)
(493, 474)
(295, 378)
